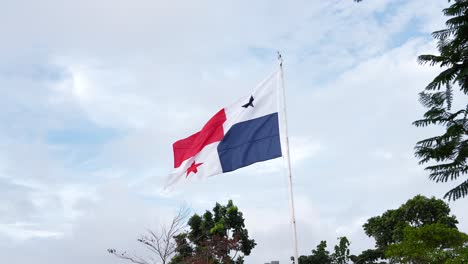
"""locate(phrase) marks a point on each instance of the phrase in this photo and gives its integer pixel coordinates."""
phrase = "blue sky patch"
(85, 133)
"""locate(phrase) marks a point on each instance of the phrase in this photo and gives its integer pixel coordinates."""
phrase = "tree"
(341, 254)
(321, 255)
(369, 256)
(161, 244)
(447, 152)
(435, 243)
(216, 237)
(419, 211)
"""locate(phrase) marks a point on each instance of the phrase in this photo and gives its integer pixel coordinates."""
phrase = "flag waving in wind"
(239, 135)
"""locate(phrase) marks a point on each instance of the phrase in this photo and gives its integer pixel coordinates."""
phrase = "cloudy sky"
(93, 93)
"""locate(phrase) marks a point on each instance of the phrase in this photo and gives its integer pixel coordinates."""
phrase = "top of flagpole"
(280, 59)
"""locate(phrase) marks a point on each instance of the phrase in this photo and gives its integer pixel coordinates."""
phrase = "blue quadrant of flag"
(249, 142)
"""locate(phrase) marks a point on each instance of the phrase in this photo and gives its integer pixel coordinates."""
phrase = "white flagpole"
(291, 196)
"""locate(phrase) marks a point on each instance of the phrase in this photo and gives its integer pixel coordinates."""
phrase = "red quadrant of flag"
(211, 132)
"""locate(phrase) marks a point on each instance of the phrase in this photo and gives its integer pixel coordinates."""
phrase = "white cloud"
(382, 154)
(24, 231)
(304, 148)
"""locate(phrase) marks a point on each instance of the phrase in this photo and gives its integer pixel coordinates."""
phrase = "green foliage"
(369, 256)
(321, 255)
(341, 253)
(419, 211)
(215, 237)
(448, 152)
(435, 243)
(419, 231)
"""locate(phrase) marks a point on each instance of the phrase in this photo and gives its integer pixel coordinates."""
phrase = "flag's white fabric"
(265, 102)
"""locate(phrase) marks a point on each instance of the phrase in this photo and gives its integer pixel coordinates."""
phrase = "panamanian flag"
(237, 136)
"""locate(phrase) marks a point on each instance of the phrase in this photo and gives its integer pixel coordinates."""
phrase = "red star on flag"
(193, 168)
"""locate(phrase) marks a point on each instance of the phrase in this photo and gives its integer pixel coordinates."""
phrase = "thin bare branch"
(161, 244)
(126, 257)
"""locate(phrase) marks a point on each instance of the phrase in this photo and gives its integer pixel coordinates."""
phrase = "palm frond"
(443, 78)
(444, 33)
(458, 192)
(457, 9)
(431, 59)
